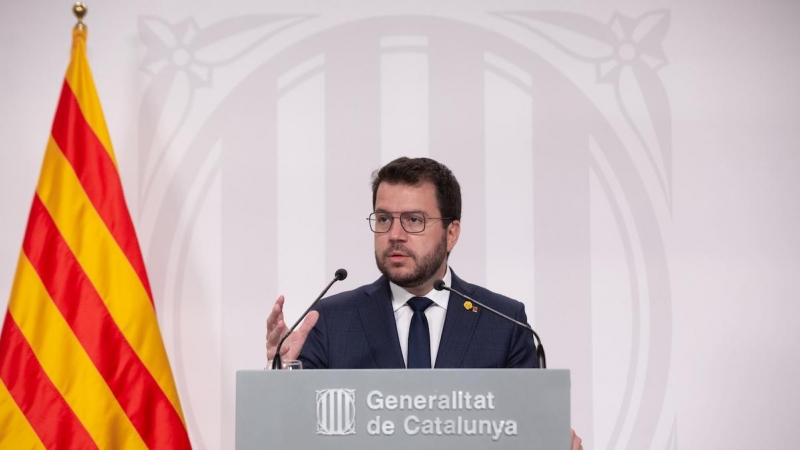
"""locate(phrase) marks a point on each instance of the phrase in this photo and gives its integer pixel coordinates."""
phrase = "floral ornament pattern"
(173, 48)
(636, 41)
(626, 53)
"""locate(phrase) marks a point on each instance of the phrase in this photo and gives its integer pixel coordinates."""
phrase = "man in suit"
(400, 320)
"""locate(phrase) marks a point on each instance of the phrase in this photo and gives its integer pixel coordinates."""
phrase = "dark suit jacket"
(357, 330)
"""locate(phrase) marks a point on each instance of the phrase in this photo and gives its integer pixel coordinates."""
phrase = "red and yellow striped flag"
(82, 363)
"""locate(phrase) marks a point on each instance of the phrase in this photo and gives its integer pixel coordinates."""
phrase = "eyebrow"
(383, 211)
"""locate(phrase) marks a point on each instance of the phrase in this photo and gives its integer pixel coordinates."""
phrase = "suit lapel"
(459, 325)
(377, 318)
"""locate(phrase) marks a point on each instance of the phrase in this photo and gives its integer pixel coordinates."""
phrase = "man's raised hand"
(276, 329)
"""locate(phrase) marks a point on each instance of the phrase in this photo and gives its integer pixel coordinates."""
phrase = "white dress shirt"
(435, 315)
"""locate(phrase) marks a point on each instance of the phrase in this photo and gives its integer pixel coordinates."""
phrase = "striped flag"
(82, 363)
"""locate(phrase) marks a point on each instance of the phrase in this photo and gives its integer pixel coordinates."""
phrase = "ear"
(453, 231)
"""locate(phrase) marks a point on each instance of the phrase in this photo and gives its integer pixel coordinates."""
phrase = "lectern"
(442, 409)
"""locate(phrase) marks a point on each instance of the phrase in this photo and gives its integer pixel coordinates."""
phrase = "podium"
(386, 409)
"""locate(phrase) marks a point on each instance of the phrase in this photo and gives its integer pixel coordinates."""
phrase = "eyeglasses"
(412, 222)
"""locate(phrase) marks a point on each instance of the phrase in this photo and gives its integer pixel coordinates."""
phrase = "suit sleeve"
(523, 347)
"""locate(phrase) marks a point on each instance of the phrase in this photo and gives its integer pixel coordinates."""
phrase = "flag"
(82, 362)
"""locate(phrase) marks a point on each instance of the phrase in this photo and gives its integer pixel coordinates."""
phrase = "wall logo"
(336, 412)
(574, 106)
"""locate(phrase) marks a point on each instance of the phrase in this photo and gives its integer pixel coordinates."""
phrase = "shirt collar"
(441, 298)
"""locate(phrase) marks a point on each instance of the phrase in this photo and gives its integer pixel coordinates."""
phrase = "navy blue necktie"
(419, 337)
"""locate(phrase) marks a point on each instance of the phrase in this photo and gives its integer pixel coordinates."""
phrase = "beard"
(426, 266)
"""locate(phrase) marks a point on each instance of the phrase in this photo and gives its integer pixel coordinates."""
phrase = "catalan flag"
(82, 363)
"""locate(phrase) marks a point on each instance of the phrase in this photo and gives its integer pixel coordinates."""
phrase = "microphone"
(439, 285)
(340, 274)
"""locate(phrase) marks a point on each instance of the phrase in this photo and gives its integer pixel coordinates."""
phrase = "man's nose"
(397, 232)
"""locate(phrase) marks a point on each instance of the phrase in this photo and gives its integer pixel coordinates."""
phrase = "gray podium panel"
(384, 409)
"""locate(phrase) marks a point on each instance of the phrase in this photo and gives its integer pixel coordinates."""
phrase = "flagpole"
(80, 10)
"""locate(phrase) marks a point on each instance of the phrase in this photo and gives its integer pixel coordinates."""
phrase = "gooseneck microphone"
(340, 274)
(440, 285)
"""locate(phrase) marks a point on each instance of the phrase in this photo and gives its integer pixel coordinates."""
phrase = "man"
(400, 320)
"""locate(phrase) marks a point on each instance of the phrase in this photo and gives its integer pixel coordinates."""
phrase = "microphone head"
(439, 285)
(341, 274)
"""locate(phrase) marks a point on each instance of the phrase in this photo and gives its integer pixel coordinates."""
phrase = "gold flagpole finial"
(80, 11)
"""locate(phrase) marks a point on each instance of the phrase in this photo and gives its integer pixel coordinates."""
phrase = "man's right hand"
(276, 329)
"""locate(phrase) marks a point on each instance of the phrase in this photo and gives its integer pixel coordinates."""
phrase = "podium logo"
(336, 412)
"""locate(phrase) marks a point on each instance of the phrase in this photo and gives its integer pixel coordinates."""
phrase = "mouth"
(397, 256)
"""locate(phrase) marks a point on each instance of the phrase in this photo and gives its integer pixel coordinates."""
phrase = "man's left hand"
(577, 442)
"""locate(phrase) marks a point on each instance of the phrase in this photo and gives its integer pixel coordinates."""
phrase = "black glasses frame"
(371, 220)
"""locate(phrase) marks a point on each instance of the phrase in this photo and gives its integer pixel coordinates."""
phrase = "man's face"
(413, 260)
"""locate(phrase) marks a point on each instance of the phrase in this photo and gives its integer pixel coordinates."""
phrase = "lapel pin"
(468, 305)
(474, 309)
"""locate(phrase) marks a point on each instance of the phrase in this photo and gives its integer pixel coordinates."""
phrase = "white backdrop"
(629, 171)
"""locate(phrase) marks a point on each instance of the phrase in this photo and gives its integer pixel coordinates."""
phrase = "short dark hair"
(415, 171)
